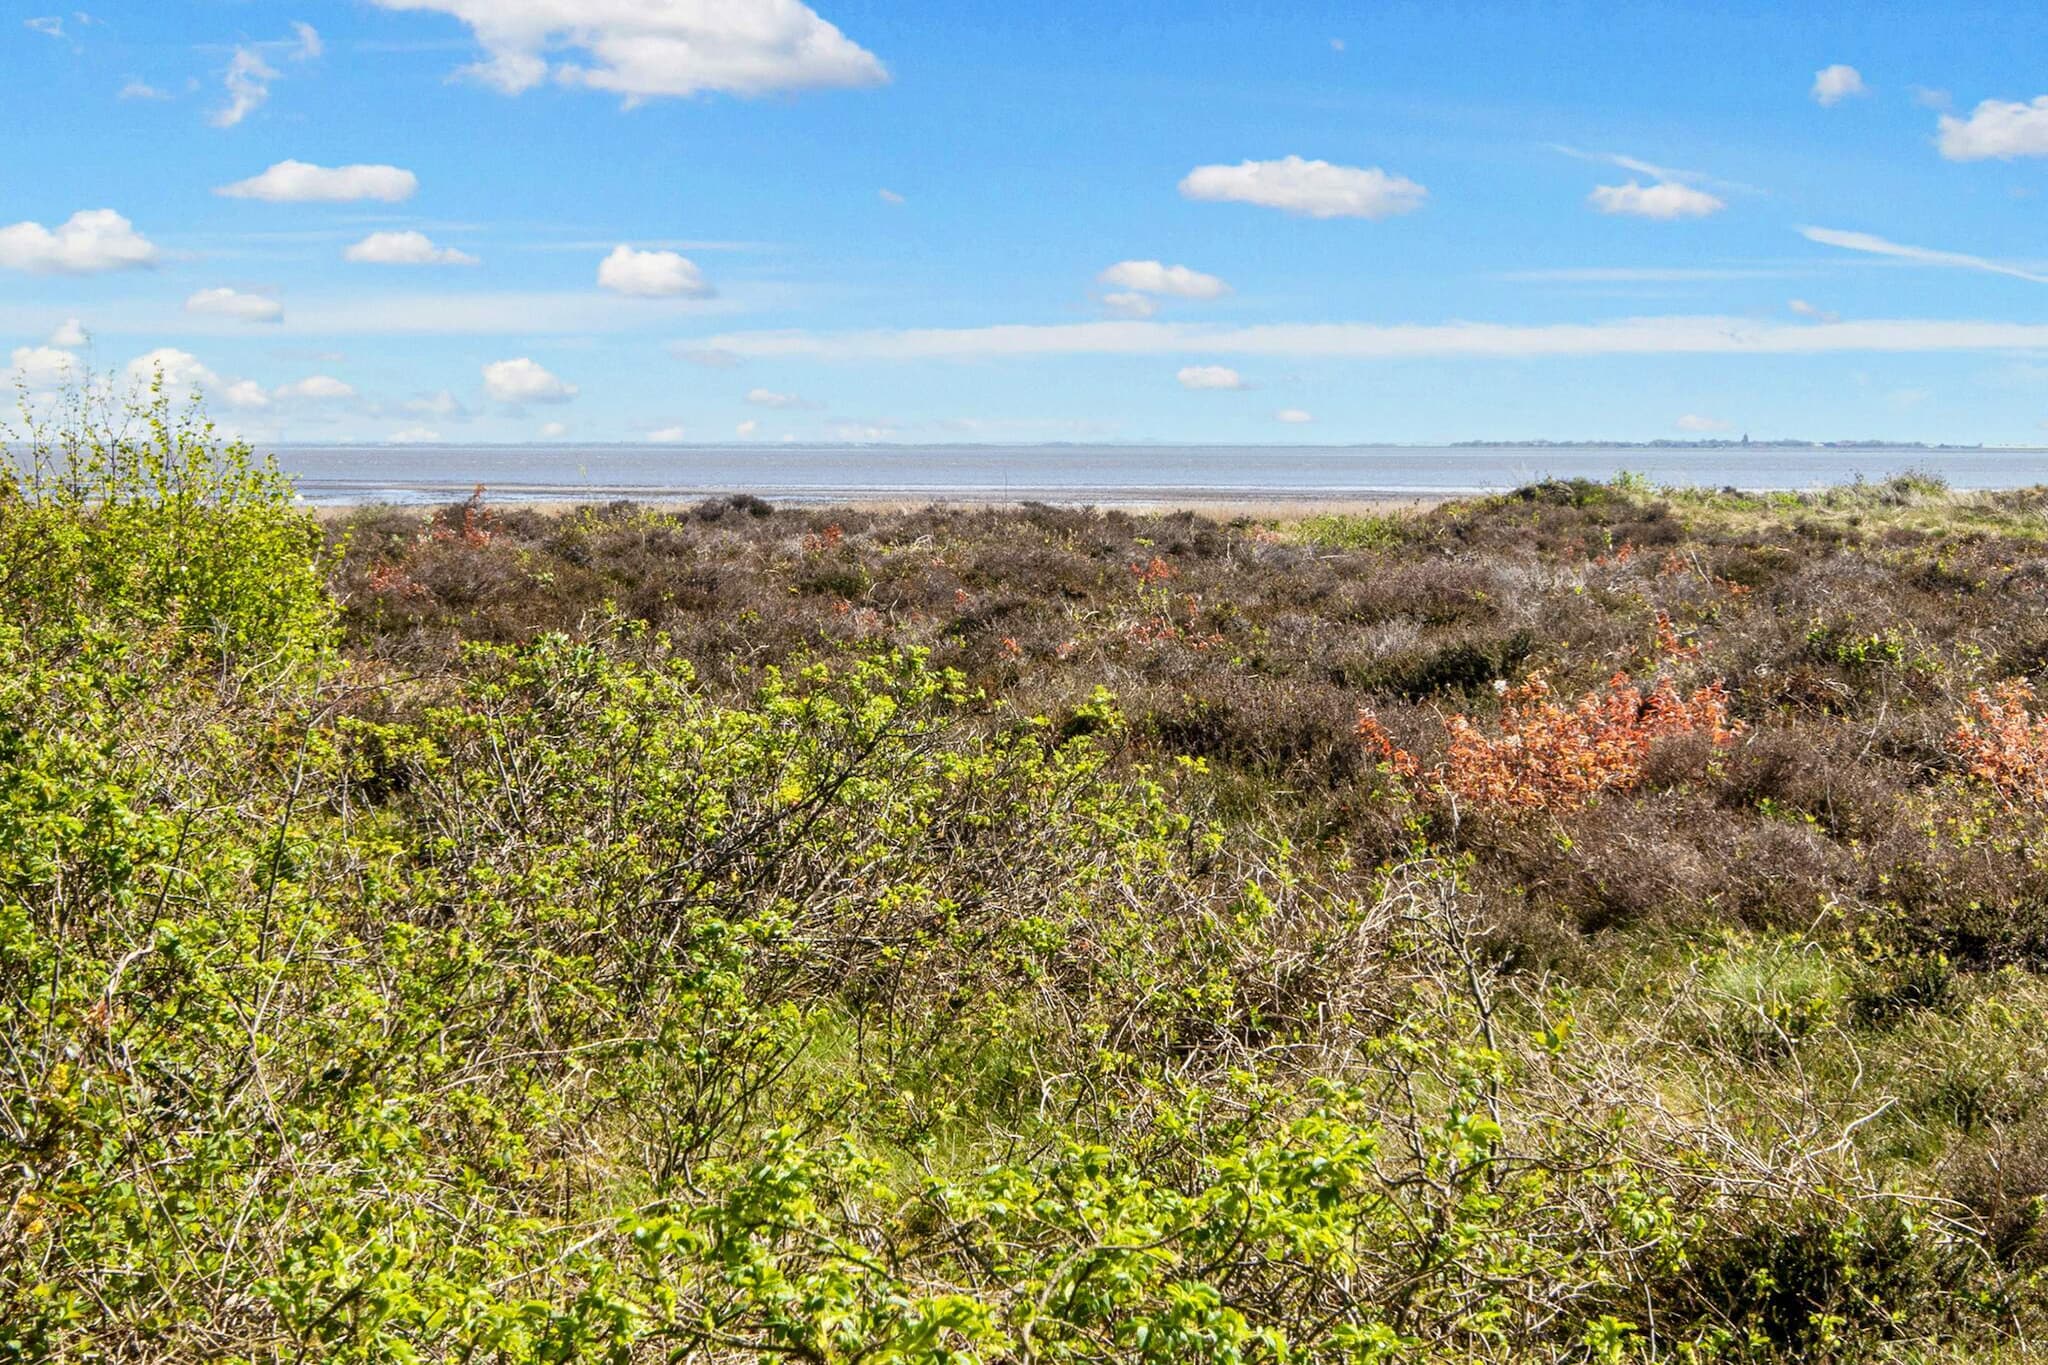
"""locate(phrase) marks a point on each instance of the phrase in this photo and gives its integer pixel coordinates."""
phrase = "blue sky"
(617, 220)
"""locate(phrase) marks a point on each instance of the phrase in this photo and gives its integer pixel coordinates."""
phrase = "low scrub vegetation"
(1581, 925)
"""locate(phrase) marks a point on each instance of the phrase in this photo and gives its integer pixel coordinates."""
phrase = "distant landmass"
(1718, 443)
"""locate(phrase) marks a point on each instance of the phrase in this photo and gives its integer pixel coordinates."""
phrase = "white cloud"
(246, 395)
(1833, 84)
(1626, 274)
(42, 368)
(1128, 304)
(523, 381)
(140, 90)
(651, 275)
(1316, 189)
(70, 332)
(1336, 44)
(442, 404)
(2000, 129)
(249, 76)
(889, 196)
(644, 49)
(1175, 281)
(90, 240)
(318, 388)
(1638, 166)
(747, 428)
(300, 182)
(768, 398)
(1814, 311)
(1878, 246)
(404, 248)
(1657, 335)
(1210, 377)
(1295, 416)
(232, 303)
(49, 26)
(1666, 200)
(1693, 421)
(248, 81)
(665, 435)
(182, 371)
(553, 431)
(413, 436)
(858, 431)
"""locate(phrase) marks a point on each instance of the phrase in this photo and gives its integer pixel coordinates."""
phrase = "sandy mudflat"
(1211, 503)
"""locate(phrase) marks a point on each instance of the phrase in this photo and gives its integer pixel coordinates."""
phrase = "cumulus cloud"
(1693, 421)
(1997, 130)
(50, 26)
(1814, 311)
(1314, 189)
(1665, 201)
(246, 395)
(665, 435)
(524, 381)
(1667, 335)
(748, 428)
(137, 89)
(181, 371)
(413, 436)
(301, 182)
(644, 49)
(89, 241)
(41, 368)
(70, 333)
(651, 275)
(404, 248)
(553, 431)
(1210, 377)
(318, 388)
(1833, 84)
(1878, 246)
(1130, 304)
(443, 404)
(889, 196)
(233, 303)
(1173, 281)
(768, 398)
(1295, 416)
(307, 39)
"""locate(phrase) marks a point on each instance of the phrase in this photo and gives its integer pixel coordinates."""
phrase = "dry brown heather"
(1848, 628)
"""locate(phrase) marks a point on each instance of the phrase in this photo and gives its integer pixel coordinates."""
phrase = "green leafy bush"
(146, 517)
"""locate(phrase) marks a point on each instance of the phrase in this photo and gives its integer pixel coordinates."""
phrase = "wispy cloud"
(249, 76)
(1651, 274)
(1674, 335)
(1878, 246)
(1669, 174)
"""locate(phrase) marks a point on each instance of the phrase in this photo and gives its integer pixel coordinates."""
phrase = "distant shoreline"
(1280, 503)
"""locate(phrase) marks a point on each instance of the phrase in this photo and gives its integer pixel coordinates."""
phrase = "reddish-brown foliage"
(1547, 756)
(2004, 743)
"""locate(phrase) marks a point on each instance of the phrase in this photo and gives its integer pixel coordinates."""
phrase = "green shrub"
(147, 517)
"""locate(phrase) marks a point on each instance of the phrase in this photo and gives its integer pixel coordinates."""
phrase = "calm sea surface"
(1073, 473)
